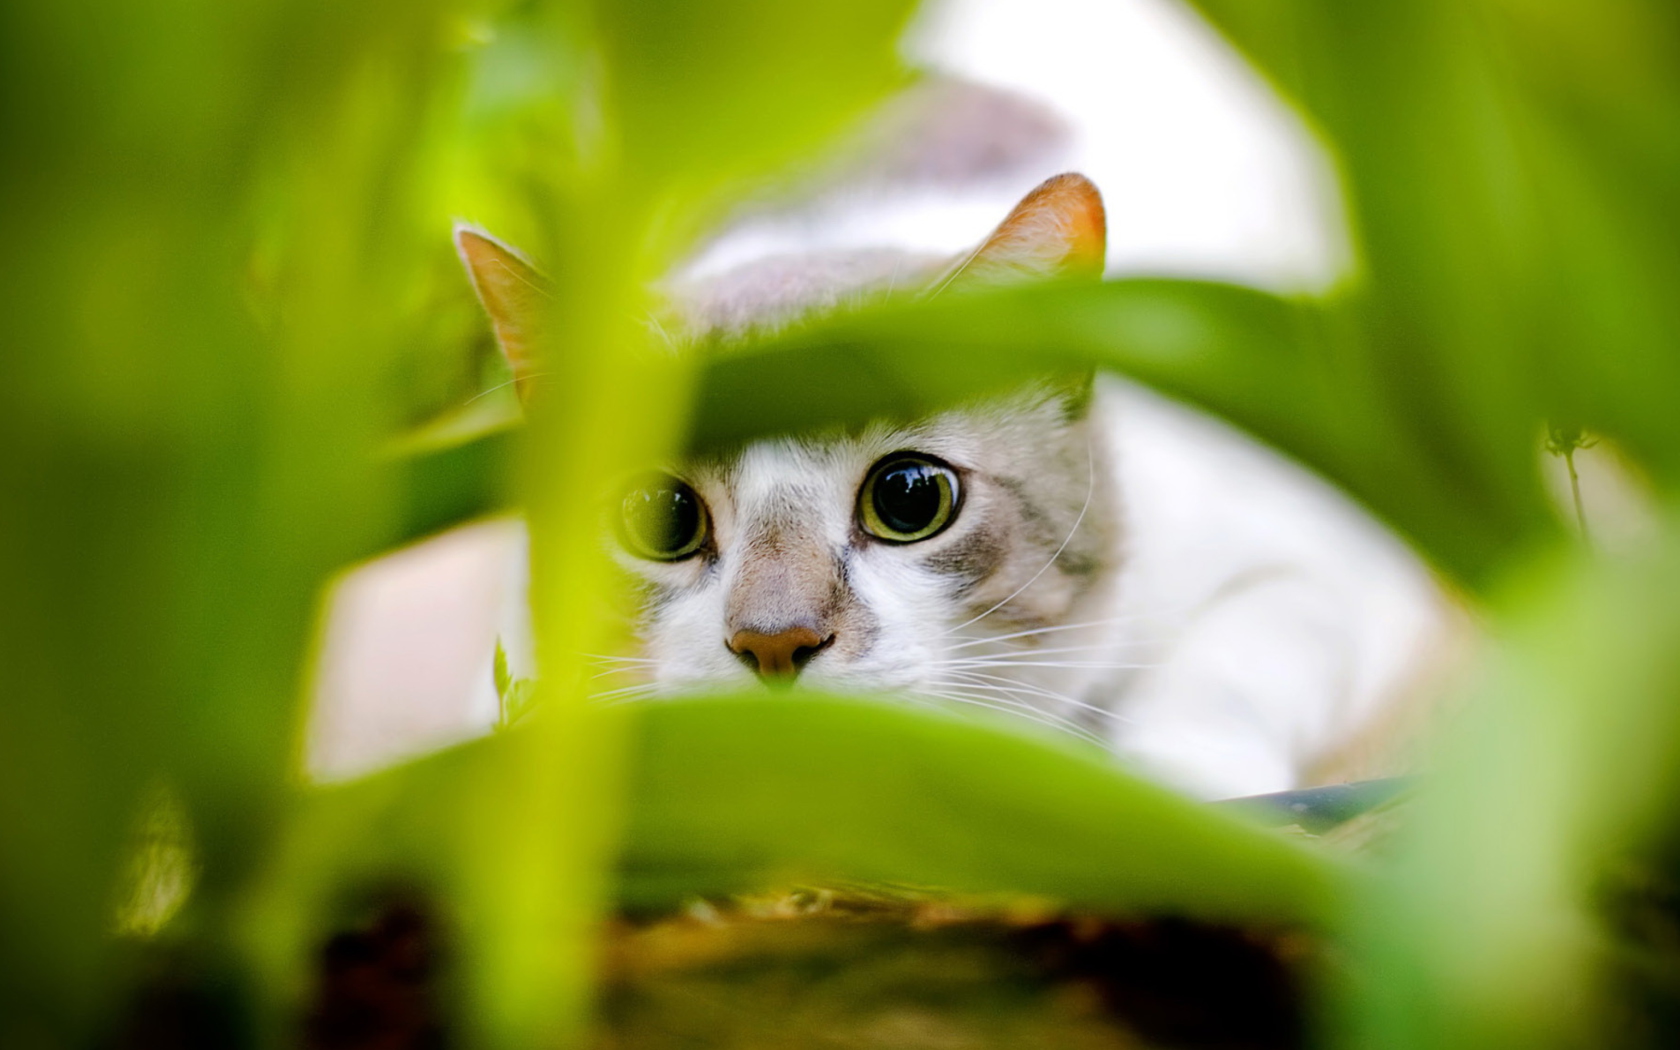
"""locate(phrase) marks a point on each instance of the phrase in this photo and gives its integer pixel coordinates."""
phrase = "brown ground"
(815, 970)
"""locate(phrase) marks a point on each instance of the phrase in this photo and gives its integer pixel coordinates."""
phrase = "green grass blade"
(1266, 363)
(1517, 882)
(740, 794)
(736, 794)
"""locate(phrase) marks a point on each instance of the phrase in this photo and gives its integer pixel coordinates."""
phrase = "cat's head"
(933, 556)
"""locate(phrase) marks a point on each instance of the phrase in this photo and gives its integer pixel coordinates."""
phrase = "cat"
(1078, 552)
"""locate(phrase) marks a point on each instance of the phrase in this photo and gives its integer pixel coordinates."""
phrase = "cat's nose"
(780, 656)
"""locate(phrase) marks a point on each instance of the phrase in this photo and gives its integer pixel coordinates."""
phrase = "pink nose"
(778, 656)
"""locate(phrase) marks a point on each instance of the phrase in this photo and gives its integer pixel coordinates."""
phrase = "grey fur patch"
(1042, 531)
(971, 561)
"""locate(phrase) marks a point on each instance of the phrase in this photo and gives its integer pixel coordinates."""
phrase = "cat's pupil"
(662, 519)
(907, 496)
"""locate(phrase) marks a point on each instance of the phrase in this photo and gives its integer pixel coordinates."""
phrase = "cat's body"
(1081, 554)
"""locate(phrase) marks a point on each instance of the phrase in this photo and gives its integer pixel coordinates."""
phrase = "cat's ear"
(514, 294)
(1059, 229)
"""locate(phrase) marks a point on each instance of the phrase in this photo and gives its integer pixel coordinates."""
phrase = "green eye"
(908, 498)
(664, 519)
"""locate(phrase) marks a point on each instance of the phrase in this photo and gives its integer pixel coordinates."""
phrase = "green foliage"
(811, 787)
(516, 695)
(732, 794)
(225, 231)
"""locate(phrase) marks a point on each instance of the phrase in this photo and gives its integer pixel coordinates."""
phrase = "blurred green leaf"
(712, 93)
(439, 487)
(499, 670)
(185, 462)
(1602, 86)
(1268, 364)
(742, 794)
(1513, 175)
(1277, 367)
(735, 794)
(1560, 776)
(668, 102)
(1443, 322)
(215, 216)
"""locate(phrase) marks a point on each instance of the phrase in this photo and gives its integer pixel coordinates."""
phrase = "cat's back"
(768, 293)
(1278, 619)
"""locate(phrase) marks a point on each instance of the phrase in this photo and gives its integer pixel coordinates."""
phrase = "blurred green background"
(227, 294)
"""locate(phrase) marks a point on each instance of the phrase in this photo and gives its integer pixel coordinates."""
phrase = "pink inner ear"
(1059, 228)
(1084, 223)
(513, 293)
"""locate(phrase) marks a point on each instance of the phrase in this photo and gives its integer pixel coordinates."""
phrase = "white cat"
(1080, 553)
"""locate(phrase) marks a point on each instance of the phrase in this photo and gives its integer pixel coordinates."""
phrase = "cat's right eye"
(663, 519)
(908, 497)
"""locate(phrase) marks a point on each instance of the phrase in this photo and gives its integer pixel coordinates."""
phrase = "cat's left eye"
(908, 497)
(663, 519)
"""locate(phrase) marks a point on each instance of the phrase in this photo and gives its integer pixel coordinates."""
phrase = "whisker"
(1002, 695)
(628, 692)
(1007, 706)
(994, 682)
(1059, 627)
(491, 390)
(1048, 694)
(535, 286)
(1089, 665)
(615, 670)
(1011, 653)
(604, 658)
(625, 664)
(652, 321)
(1001, 704)
(1009, 683)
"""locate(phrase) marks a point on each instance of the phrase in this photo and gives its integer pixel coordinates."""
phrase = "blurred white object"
(1293, 622)
(1204, 171)
(404, 665)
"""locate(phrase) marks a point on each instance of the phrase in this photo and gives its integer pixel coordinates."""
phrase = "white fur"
(1290, 619)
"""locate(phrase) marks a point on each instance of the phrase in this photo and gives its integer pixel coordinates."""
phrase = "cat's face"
(873, 559)
(929, 558)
